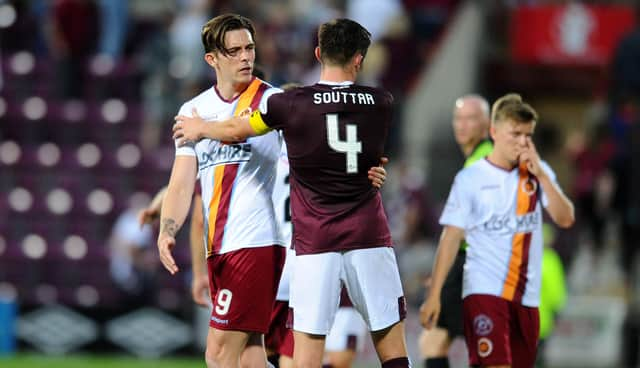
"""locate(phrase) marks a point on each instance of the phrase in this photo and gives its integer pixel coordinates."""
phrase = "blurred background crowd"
(88, 90)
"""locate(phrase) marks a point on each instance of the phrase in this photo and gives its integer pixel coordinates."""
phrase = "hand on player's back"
(378, 174)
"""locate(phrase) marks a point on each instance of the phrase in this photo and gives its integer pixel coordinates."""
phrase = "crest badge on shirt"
(482, 324)
(530, 186)
(485, 347)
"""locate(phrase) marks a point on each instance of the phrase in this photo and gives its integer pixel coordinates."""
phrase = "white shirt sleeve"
(188, 149)
(458, 208)
(265, 97)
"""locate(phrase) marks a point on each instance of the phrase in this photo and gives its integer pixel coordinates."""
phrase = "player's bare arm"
(199, 279)
(175, 207)
(445, 256)
(560, 208)
(194, 128)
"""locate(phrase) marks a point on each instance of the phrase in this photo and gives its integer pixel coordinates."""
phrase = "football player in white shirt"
(495, 205)
(244, 246)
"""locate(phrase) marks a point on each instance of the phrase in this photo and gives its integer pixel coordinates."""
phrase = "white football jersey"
(282, 204)
(501, 215)
(237, 179)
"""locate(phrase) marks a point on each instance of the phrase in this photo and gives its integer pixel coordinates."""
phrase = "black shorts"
(451, 311)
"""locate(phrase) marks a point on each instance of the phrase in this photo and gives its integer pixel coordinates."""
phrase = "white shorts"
(285, 278)
(348, 331)
(372, 280)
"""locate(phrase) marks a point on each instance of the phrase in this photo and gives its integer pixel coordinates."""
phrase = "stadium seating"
(68, 169)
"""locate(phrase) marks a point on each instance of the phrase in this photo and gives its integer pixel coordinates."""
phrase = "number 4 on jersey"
(352, 146)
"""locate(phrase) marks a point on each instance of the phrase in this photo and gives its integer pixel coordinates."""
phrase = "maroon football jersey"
(334, 134)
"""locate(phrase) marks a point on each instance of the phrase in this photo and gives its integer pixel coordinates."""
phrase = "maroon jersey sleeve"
(278, 110)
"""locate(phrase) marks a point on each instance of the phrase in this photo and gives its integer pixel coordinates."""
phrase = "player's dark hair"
(214, 31)
(512, 107)
(341, 39)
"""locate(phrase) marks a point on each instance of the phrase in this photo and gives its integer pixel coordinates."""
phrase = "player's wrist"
(543, 178)
(435, 291)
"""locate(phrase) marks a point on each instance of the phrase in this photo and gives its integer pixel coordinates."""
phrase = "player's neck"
(230, 90)
(337, 74)
(497, 160)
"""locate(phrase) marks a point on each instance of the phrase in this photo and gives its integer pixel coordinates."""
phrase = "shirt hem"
(341, 249)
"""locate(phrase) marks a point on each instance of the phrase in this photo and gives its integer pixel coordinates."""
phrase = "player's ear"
(211, 59)
(317, 53)
(358, 59)
(492, 131)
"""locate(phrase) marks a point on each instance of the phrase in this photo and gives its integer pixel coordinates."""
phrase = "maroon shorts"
(500, 332)
(243, 286)
(279, 339)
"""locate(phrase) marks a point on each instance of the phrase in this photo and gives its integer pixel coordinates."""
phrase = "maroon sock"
(397, 363)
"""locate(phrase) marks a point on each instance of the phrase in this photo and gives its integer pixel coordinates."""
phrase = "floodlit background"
(88, 89)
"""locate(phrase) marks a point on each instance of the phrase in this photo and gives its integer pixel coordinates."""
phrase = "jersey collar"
(330, 83)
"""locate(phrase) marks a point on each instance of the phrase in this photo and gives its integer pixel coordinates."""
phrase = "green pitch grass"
(24, 360)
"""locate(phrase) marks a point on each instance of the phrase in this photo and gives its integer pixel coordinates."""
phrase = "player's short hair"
(214, 30)
(512, 107)
(341, 39)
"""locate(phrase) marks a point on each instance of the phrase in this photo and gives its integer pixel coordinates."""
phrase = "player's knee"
(307, 362)
(434, 343)
(390, 343)
(252, 356)
(213, 356)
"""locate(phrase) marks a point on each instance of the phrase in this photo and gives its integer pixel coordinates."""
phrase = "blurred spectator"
(114, 22)
(428, 17)
(625, 74)
(187, 63)
(413, 225)
(159, 89)
(631, 327)
(375, 63)
(625, 114)
(72, 40)
(374, 15)
(410, 215)
(133, 260)
(591, 154)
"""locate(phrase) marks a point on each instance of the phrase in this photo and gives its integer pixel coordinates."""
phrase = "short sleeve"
(552, 176)
(457, 210)
(276, 110)
(187, 149)
(265, 98)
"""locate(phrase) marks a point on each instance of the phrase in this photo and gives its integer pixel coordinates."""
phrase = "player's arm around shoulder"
(193, 128)
(448, 248)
